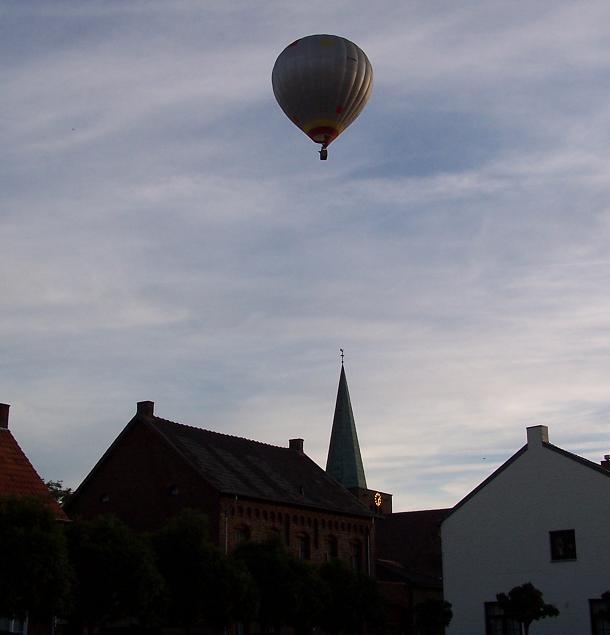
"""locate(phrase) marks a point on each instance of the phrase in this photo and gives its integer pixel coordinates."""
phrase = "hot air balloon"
(322, 83)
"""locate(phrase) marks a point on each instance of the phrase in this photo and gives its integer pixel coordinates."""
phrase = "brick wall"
(143, 482)
(316, 536)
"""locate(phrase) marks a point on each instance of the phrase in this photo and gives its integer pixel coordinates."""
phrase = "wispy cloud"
(167, 233)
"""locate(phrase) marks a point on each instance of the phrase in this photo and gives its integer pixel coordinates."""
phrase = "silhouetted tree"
(116, 575)
(34, 570)
(273, 571)
(354, 599)
(311, 597)
(525, 604)
(60, 493)
(432, 616)
(204, 585)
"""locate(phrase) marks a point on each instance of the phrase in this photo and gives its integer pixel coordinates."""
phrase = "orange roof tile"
(18, 476)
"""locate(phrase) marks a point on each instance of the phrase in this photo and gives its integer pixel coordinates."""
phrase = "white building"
(542, 517)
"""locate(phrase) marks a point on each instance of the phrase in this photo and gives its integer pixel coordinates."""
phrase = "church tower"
(344, 461)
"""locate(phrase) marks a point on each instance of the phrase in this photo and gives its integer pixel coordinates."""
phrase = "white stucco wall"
(500, 539)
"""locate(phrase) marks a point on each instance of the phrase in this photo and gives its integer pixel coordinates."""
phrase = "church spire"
(344, 461)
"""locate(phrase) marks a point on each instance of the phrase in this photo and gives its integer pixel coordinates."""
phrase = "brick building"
(249, 490)
(253, 491)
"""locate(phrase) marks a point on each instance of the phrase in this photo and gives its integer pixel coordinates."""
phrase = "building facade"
(542, 517)
(248, 490)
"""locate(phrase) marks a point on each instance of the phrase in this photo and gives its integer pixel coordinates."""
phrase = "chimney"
(296, 444)
(606, 462)
(537, 435)
(146, 408)
(4, 415)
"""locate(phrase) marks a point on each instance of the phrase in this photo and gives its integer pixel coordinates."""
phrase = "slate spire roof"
(344, 460)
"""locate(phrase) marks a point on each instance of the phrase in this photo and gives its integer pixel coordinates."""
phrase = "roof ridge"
(423, 511)
(41, 490)
(222, 434)
(576, 457)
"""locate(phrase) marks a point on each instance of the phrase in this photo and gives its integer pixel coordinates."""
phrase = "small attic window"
(105, 498)
(173, 490)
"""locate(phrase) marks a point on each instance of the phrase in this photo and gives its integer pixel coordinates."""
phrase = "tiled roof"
(392, 571)
(413, 539)
(19, 478)
(250, 469)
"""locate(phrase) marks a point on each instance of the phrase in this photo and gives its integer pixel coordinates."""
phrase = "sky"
(167, 234)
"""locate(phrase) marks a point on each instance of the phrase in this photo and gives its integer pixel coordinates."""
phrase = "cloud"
(169, 235)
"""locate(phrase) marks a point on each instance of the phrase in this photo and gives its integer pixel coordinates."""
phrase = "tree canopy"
(99, 573)
(272, 569)
(36, 573)
(525, 604)
(354, 599)
(204, 585)
(116, 576)
(60, 493)
(432, 616)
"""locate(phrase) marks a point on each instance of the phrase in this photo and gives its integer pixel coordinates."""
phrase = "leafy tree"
(525, 604)
(35, 575)
(432, 616)
(273, 571)
(354, 599)
(60, 493)
(116, 576)
(311, 597)
(204, 585)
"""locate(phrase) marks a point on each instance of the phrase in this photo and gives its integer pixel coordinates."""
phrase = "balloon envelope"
(322, 83)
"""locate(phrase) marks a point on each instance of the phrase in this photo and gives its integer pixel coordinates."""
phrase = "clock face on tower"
(377, 499)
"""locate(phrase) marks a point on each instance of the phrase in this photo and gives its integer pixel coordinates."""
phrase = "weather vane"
(341, 356)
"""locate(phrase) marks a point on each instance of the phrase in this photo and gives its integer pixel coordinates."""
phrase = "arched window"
(331, 548)
(242, 534)
(303, 547)
(356, 555)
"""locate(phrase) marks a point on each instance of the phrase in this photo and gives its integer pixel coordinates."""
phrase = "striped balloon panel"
(322, 83)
